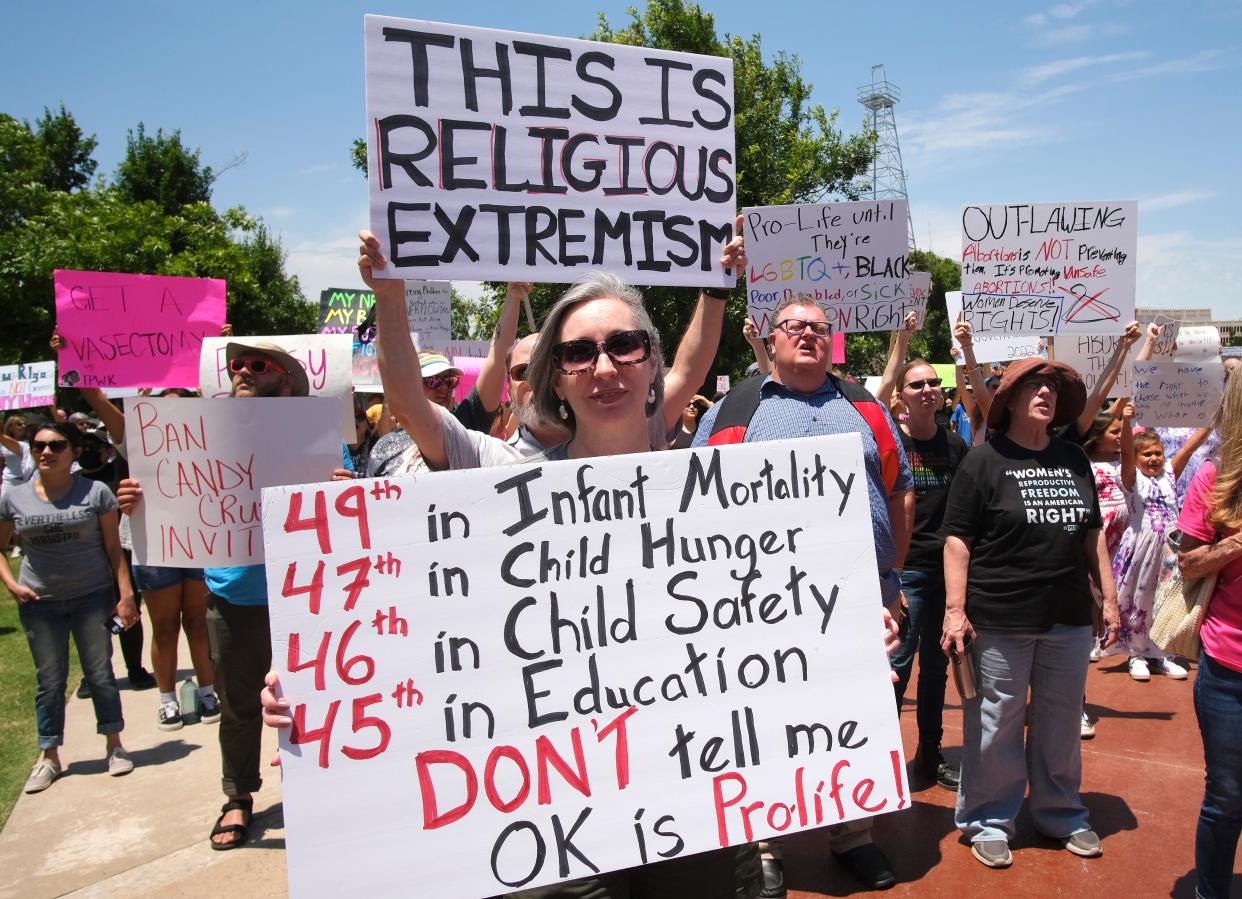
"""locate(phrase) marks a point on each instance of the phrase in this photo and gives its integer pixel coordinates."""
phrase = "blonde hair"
(1226, 499)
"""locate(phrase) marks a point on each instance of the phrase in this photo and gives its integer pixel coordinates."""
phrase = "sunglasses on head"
(257, 365)
(928, 382)
(435, 382)
(518, 372)
(56, 446)
(573, 357)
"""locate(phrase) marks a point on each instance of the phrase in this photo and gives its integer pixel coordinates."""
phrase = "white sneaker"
(1139, 669)
(1095, 652)
(1170, 668)
(169, 716)
(1087, 731)
(119, 763)
(41, 776)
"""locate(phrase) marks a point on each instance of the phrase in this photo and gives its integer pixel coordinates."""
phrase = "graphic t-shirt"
(1029, 513)
(63, 552)
(932, 463)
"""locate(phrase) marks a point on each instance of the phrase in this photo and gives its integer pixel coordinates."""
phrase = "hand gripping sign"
(555, 669)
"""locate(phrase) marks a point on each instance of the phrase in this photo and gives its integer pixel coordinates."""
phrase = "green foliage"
(66, 153)
(358, 155)
(155, 220)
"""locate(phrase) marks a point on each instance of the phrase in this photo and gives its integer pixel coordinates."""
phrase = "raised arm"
(400, 371)
(698, 346)
(1148, 349)
(1128, 464)
(491, 382)
(898, 345)
(1182, 457)
(763, 362)
(965, 336)
(1108, 377)
(13, 446)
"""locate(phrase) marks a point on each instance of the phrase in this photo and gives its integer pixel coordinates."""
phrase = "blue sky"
(1001, 102)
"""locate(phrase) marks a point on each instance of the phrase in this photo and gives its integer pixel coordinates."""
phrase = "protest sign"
(1175, 394)
(722, 384)
(1049, 268)
(1200, 343)
(342, 310)
(366, 364)
(1089, 355)
(326, 358)
(26, 385)
(428, 307)
(494, 155)
(992, 347)
(486, 661)
(202, 464)
(850, 258)
(134, 330)
(471, 367)
(474, 348)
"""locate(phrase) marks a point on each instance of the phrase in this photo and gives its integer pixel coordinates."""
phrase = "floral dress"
(1114, 502)
(1174, 439)
(1142, 560)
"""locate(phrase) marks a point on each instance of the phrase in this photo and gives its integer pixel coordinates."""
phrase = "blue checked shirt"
(784, 413)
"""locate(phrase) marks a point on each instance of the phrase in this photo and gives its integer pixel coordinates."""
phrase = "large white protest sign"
(1198, 343)
(326, 358)
(1175, 394)
(202, 463)
(1090, 353)
(1049, 268)
(428, 305)
(507, 156)
(850, 258)
(489, 661)
(28, 384)
(992, 347)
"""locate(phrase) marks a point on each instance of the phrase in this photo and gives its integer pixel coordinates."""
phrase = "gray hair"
(797, 299)
(542, 372)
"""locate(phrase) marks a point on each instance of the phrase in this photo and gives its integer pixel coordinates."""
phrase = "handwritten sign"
(1199, 343)
(24, 386)
(134, 330)
(428, 306)
(504, 156)
(202, 464)
(325, 357)
(485, 660)
(850, 258)
(1176, 394)
(722, 384)
(1090, 353)
(1049, 268)
(477, 349)
(992, 347)
(342, 310)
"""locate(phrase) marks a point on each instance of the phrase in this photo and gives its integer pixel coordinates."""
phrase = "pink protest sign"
(134, 330)
(838, 348)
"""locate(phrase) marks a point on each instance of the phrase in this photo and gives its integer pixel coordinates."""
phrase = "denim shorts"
(148, 578)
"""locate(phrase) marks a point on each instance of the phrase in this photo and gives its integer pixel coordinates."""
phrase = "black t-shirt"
(933, 463)
(1029, 514)
(1071, 433)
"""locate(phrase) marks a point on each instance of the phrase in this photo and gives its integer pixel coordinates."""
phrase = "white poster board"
(325, 357)
(1049, 268)
(28, 384)
(1089, 353)
(676, 692)
(428, 304)
(202, 463)
(1198, 343)
(1173, 394)
(477, 349)
(495, 155)
(850, 258)
(992, 347)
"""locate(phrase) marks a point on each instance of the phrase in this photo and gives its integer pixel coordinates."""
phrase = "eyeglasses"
(56, 446)
(573, 357)
(518, 372)
(795, 327)
(1034, 384)
(925, 382)
(257, 366)
(435, 382)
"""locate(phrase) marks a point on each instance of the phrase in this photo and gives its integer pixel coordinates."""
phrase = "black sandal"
(242, 830)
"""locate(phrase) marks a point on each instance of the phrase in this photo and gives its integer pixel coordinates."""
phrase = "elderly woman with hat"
(1023, 536)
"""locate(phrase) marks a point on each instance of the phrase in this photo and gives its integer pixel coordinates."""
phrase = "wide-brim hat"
(277, 354)
(1071, 392)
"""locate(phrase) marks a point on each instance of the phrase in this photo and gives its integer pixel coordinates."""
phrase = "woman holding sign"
(1023, 532)
(68, 584)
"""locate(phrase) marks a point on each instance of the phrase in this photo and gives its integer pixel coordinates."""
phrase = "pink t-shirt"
(1222, 627)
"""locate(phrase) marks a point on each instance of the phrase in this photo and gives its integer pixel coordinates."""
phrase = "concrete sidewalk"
(144, 834)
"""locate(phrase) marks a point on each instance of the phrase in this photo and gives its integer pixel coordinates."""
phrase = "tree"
(68, 165)
(159, 169)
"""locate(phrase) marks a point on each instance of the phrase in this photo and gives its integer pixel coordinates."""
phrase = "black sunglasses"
(56, 446)
(518, 372)
(573, 357)
(930, 382)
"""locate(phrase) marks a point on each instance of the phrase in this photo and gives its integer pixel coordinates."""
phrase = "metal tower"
(888, 177)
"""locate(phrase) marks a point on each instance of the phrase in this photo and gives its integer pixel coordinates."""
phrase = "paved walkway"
(146, 834)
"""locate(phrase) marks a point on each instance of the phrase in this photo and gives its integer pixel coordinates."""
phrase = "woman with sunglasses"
(690, 418)
(70, 577)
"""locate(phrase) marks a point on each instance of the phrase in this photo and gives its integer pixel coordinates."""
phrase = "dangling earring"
(651, 395)
(563, 411)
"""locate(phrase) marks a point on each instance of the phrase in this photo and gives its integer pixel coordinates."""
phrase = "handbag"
(1178, 612)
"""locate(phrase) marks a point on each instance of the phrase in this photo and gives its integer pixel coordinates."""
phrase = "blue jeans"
(995, 767)
(48, 624)
(920, 632)
(1218, 706)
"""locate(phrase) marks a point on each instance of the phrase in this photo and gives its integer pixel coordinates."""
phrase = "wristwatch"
(717, 293)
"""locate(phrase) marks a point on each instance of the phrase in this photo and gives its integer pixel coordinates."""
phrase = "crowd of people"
(1022, 529)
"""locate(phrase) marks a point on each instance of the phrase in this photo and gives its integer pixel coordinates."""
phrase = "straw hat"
(1071, 392)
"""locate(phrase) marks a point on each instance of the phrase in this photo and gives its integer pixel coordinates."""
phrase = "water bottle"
(189, 701)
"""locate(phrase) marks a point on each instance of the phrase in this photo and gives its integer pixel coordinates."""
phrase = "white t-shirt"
(474, 449)
(18, 467)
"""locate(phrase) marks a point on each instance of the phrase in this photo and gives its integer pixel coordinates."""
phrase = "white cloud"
(1062, 11)
(1181, 271)
(981, 120)
(280, 212)
(1203, 61)
(1173, 199)
(1059, 67)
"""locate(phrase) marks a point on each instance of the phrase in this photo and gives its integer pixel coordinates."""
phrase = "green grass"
(17, 690)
